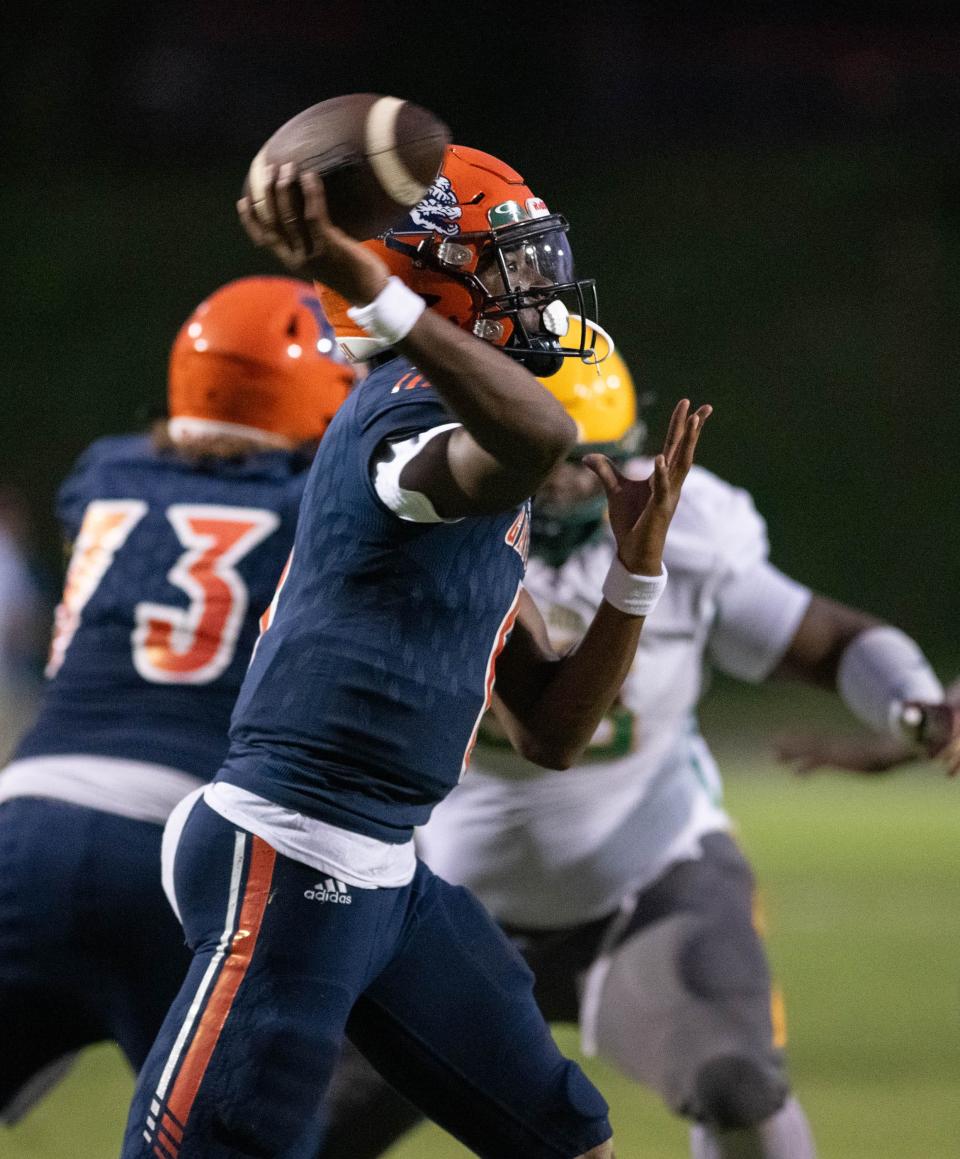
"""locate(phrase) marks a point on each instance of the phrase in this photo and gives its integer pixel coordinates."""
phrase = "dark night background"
(769, 199)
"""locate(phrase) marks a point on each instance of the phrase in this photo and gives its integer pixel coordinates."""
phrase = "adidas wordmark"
(330, 889)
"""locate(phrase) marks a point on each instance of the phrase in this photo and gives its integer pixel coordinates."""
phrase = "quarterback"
(618, 878)
(178, 538)
(295, 873)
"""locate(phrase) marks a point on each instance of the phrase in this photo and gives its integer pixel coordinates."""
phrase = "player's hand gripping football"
(293, 222)
(641, 510)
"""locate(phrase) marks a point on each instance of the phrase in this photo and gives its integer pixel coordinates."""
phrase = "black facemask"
(557, 532)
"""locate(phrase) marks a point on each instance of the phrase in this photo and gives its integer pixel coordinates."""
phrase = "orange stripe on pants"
(175, 1133)
(255, 896)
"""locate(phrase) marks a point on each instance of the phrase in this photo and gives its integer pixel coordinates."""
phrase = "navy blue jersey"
(172, 565)
(365, 692)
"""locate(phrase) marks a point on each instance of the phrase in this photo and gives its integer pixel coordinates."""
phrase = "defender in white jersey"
(618, 878)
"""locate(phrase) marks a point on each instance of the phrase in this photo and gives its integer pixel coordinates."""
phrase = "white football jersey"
(548, 849)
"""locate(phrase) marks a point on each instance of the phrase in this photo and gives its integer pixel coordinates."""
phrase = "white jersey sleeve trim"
(411, 506)
(758, 614)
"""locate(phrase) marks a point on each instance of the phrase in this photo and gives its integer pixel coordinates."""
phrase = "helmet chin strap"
(542, 357)
(539, 356)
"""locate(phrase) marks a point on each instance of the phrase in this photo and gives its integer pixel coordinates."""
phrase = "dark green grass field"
(862, 889)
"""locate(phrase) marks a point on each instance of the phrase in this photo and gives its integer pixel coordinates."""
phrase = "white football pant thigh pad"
(168, 846)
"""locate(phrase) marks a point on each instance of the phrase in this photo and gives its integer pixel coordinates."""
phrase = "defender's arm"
(877, 670)
(815, 653)
(886, 682)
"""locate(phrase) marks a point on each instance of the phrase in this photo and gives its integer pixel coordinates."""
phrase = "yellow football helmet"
(599, 396)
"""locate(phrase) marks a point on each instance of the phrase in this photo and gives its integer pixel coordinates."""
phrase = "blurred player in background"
(178, 538)
(295, 871)
(618, 879)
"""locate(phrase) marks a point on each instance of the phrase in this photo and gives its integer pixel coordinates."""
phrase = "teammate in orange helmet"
(178, 540)
(257, 360)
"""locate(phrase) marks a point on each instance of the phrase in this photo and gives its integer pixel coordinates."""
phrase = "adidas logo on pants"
(330, 889)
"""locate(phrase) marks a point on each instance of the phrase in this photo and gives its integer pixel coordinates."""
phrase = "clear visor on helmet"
(537, 262)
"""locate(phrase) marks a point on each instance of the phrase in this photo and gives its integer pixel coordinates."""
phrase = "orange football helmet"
(479, 220)
(257, 358)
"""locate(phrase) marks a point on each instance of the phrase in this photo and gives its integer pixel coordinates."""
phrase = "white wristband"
(634, 595)
(392, 313)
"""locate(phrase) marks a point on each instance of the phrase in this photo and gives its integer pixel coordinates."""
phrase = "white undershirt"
(135, 789)
(354, 858)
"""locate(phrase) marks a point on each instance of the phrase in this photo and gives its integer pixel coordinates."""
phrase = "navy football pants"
(442, 1005)
(89, 948)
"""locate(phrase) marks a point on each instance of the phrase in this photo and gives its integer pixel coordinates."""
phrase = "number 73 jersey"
(171, 565)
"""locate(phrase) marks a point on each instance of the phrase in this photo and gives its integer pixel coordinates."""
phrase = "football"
(377, 156)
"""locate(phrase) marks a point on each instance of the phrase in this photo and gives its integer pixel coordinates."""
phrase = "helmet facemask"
(568, 511)
(521, 280)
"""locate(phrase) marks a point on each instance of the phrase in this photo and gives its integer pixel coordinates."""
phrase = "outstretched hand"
(937, 739)
(641, 510)
(864, 752)
(293, 222)
(940, 733)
